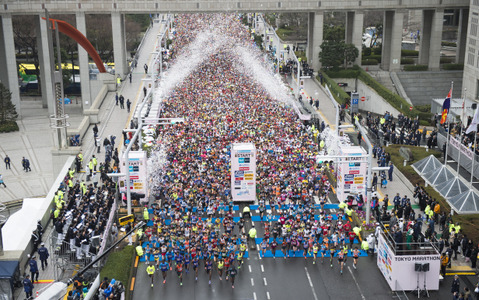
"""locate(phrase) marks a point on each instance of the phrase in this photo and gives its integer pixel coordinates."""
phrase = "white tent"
(18, 229)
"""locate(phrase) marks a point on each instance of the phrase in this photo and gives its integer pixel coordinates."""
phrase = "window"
(474, 29)
(470, 59)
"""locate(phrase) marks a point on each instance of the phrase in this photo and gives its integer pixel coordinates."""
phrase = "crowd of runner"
(195, 227)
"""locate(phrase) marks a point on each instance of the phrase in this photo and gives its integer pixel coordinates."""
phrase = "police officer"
(43, 253)
(28, 286)
(252, 235)
(33, 268)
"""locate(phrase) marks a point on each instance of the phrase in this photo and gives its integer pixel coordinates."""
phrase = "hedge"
(9, 126)
(416, 68)
(453, 67)
(409, 52)
(118, 266)
(446, 60)
(338, 93)
(377, 50)
(449, 44)
(407, 61)
(369, 62)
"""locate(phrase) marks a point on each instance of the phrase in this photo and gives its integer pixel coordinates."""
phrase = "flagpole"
(473, 155)
(448, 130)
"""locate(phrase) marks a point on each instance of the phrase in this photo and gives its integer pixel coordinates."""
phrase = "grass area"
(284, 33)
(468, 222)
(118, 266)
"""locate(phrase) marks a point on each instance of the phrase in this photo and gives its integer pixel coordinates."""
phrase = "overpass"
(394, 11)
(194, 6)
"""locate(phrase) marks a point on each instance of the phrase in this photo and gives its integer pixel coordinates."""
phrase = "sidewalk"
(113, 120)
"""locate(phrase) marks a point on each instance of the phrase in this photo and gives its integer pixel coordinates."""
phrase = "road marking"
(264, 279)
(252, 282)
(267, 295)
(254, 295)
(262, 268)
(132, 285)
(249, 267)
(356, 282)
(311, 284)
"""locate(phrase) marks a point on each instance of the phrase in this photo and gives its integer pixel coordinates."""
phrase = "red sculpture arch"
(72, 32)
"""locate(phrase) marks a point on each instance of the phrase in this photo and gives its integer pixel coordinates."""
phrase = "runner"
(208, 268)
(164, 269)
(195, 266)
(150, 270)
(220, 269)
(232, 274)
(179, 272)
(315, 252)
(355, 257)
(341, 260)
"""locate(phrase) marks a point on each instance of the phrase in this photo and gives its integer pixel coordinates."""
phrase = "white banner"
(243, 172)
(399, 270)
(464, 150)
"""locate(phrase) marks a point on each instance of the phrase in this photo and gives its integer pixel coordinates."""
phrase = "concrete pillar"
(431, 36)
(83, 62)
(436, 38)
(315, 38)
(45, 56)
(425, 34)
(392, 38)
(462, 35)
(119, 44)
(354, 31)
(8, 62)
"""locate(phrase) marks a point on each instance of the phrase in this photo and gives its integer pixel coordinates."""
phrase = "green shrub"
(416, 68)
(446, 60)
(369, 62)
(9, 126)
(376, 57)
(407, 61)
(448, 44)
(348, 73)
(341, 96)
(118, 266)
(423, 108)
(377, 50)
(367, 51)
(451, 67)
(409, 52)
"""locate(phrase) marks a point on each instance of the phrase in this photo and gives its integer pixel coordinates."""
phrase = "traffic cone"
(36, 294)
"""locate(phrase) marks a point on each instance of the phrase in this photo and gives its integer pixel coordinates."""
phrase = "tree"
(335, 53)
(8, 114)
(334, 33)
(350, 54)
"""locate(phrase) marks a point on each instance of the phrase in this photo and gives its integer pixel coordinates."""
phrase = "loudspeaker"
(418, 267)
(474, 105)
(425, 267)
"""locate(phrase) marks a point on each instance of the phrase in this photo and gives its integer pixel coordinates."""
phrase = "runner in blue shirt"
(164, 268)
(195, 266)
(208, 268)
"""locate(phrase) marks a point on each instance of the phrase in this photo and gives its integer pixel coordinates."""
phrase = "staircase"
(421, 87)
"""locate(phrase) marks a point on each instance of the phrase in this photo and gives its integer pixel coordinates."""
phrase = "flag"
(445, 107)
(475, 121)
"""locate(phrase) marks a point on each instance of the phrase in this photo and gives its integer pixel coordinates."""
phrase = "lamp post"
(369, 178)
